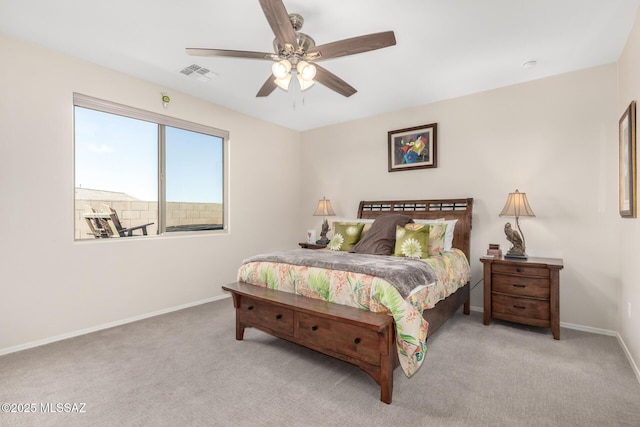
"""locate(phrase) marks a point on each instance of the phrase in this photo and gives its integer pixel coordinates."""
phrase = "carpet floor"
(186, 369)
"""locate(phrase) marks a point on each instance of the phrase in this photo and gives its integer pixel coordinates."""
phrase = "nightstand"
(523, 291)
(312, 246)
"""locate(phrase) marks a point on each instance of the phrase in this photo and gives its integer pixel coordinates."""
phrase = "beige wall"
(629, 229)
(53, 286)
(554, 138)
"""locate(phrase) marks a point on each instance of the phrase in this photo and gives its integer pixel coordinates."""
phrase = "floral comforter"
(370, 293)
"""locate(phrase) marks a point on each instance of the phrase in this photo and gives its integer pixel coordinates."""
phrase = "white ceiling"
(445, 48)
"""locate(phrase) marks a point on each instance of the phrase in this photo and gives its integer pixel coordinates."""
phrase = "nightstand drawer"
(522, 307)
(520, 270)
(349, 340)
(266, 316)
(537, 287)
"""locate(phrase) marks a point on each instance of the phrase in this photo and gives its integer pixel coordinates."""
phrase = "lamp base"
(324, 240)
(516, 256)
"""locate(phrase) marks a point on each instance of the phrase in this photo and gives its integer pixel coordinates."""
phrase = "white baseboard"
(61, 337)
(588, 329)
(571, 326)
(627, 353)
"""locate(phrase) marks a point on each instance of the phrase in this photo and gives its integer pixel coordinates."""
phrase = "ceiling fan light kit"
(295, 52)
(305, 73)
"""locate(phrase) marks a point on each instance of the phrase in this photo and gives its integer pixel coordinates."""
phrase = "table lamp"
(517, 205)
(324, 209)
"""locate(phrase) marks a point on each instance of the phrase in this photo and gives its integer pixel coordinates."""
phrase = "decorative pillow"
(367, 223)
(420, 240)
(345, 235)
(451, 225)
(381, 238)
(412, 241)
(437, 233)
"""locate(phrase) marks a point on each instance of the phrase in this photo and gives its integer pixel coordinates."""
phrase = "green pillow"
(345, 235)
(412, 241)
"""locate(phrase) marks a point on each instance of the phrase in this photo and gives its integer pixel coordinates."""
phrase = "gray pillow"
(381, 237)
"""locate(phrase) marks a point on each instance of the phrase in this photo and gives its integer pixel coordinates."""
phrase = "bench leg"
(387, 364)
(239, 325)
(239, 330)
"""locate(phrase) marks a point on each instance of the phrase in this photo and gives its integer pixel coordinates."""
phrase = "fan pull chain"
(295, 88)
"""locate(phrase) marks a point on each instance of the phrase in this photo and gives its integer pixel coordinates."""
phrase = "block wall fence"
(132, 213)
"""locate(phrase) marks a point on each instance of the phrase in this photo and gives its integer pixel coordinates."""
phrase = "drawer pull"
(314, 328)
(279, 316)
(519, 286)
(357, 341)
(519, 307)
(518, 269)
(250, 307)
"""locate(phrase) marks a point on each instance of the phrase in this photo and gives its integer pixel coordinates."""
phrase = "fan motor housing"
(305, 43)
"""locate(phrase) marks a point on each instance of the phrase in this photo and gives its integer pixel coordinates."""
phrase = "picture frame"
(311, 236)
(627, 166)
(413, 148)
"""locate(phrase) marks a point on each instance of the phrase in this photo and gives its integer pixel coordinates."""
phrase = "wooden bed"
(360, 337)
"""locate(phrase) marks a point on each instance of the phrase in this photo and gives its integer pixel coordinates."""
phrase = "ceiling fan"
(297, 52)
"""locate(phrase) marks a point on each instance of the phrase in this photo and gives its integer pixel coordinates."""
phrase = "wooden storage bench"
(360, 337)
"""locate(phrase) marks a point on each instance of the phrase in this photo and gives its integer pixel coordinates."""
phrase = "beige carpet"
(187, 369)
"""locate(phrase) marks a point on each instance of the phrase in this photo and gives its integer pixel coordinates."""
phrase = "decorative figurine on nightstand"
(517, 245)
(517, 205)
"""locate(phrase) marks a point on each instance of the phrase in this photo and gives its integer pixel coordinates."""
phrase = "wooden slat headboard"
(460, 209)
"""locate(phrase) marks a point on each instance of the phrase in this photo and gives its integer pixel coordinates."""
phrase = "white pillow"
(448, 236)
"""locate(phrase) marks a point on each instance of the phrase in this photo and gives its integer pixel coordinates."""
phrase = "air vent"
(197, 72)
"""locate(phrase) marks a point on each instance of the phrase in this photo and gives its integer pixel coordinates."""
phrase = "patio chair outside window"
(106, 224)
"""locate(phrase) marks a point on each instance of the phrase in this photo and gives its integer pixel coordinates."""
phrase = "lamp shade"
(304, 84)
(284, 82)
(281, 69)
(517, 205)
(306, 71)
(324, 208)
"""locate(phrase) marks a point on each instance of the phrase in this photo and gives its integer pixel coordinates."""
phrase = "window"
(140, 173)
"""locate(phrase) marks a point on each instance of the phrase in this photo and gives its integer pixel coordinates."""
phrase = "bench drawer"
(265, 316)
(351, 340)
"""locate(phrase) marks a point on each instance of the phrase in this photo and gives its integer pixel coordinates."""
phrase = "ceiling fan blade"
(231, 53)
(333, 82)
(352, 46)
(278, 19)
(268, 87)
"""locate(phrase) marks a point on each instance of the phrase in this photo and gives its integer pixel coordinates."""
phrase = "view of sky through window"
(194, 166)
(116, 153)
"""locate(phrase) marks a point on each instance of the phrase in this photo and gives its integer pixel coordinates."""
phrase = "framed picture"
(311, 236)
(413, 148)
(627, 131)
